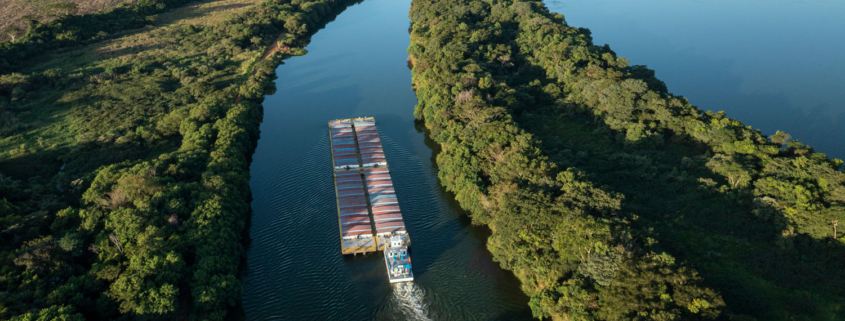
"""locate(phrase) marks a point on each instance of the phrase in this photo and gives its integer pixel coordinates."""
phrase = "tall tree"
(13, 32)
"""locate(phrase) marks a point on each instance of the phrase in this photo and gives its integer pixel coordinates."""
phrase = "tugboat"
(397, 260)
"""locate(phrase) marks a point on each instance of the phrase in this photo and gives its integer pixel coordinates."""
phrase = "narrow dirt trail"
(267, 53)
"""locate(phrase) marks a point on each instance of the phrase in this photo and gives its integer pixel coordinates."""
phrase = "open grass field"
(11, 11)
(150, 40)
(45, 126)
(149, 131)
(204, 12)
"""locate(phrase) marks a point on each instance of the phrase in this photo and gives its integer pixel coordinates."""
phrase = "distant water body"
(772, 64)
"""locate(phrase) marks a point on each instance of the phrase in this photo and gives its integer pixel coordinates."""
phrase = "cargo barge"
(354, 222)
(357, 154)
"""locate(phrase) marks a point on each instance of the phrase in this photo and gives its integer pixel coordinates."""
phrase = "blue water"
(773, 64)
(357, 66)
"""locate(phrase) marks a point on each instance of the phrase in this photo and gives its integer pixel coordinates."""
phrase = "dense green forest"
(124, 157)
(609, 197)
(125, 143)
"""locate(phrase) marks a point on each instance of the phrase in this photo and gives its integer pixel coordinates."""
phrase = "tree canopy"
(124, 188)
(609, 197)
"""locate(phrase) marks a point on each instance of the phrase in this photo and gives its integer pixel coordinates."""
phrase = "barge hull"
(354, 220)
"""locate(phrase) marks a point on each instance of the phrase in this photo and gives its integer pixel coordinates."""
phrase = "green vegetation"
(124, 159)
(124, 167)
(15, 13)
(72, 30)
(609, 197)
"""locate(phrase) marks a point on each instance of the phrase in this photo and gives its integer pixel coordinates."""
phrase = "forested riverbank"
(609, 197)
(153, 197)
(124, 167)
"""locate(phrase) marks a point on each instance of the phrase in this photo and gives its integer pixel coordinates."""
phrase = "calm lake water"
(357, 66)
(773, 64)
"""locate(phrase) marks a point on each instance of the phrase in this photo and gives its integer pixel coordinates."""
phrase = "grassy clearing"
(150, 40)
(147, 219)
(204, 13)
(12, 10)
(47, 127)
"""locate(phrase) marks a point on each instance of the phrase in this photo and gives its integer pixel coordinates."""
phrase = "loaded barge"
(356, 234)
(368, 210)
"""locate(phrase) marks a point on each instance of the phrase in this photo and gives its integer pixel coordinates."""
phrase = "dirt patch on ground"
(270, 50)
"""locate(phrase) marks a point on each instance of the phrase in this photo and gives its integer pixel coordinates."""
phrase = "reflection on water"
(774, 65)
(355, 67)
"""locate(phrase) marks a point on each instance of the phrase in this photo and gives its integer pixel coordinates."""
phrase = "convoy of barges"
(369, 217)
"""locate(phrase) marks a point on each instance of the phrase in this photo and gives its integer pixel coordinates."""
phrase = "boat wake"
(408, 298)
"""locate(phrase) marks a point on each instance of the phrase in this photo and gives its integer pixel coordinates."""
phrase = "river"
(357, 66)
(772, 64)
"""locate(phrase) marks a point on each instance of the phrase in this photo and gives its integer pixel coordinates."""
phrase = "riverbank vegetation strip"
(609, 197)
(146, 216)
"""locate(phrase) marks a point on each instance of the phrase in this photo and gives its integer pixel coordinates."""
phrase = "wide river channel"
(775, 65)
(357, 66)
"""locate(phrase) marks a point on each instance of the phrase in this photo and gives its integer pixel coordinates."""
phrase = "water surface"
(357, 66)
(773, 64)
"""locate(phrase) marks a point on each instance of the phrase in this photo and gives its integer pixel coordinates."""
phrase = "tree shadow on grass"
(190, 12)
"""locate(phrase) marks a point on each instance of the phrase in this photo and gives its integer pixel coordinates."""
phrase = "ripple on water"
(286, 229)
(294, 261)
(356, 66)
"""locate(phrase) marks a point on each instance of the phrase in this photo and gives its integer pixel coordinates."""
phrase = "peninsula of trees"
(609, 197)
